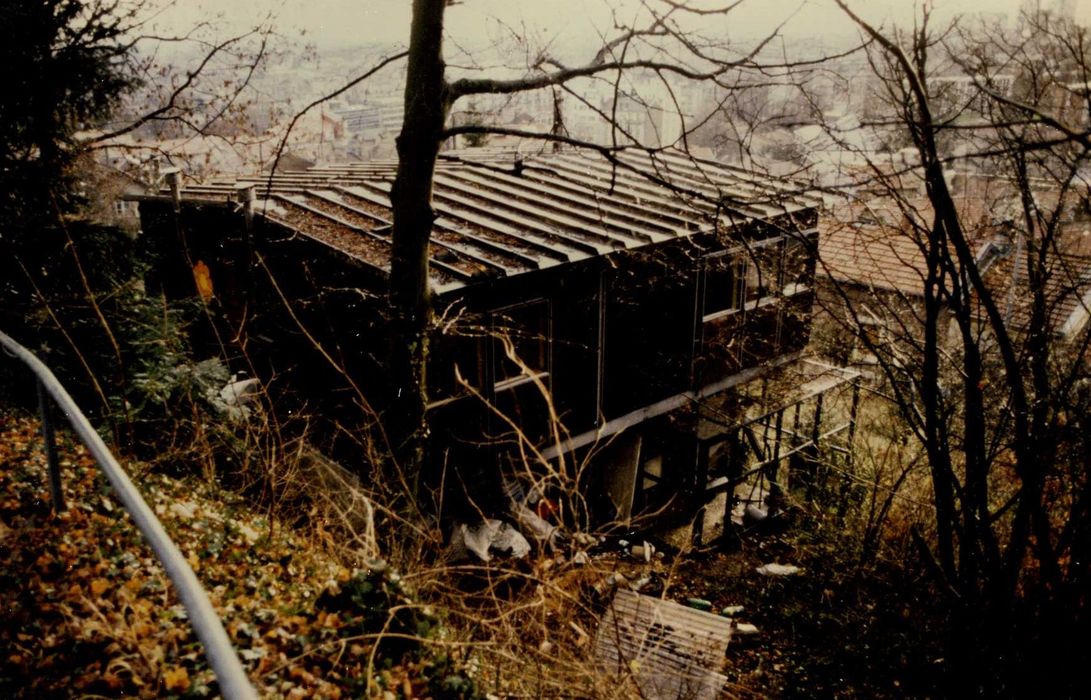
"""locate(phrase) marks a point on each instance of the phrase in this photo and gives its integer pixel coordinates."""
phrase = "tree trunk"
(426, 104)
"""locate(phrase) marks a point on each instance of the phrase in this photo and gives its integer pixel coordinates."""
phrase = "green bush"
(376, 602)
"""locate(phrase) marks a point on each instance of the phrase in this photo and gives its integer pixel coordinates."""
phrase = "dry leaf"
(176, 679)
(112, 680)
(99, 586)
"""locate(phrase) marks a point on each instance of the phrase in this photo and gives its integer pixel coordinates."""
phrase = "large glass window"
(762, 272)
(797, 269)
(749, 277)
(724, 284)
(520, 344)
(457, 357)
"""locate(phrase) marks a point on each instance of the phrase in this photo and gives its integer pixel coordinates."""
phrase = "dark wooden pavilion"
(586, 306)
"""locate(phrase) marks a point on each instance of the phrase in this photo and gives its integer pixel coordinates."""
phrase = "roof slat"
(439, 264)
(519, 219)
(480, 214)
(535, 263)
(499, 213)
(585, 215)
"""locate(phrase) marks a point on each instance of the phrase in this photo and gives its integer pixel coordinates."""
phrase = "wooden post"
(699, 491)
(174, 181)
(244, 195)
(736, 463)
(846, 478)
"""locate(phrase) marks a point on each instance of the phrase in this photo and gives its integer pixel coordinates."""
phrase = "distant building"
(1065, 9)
(967, 97)
(375, 117)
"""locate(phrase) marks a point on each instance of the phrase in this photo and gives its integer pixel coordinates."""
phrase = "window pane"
(754, 279)
(762, 271)
(723, 276)
(796, 268)
(527, 328)
(461, 345)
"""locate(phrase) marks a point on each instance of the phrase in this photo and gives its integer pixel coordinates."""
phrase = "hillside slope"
(88, 611)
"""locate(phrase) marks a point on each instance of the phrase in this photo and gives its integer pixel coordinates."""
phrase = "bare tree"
(662, 45)
(988, 364)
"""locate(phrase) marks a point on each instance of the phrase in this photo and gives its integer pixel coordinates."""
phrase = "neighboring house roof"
(871, 243)
(877, 252)
(874, 256)
(1067, 292)
(502, 215)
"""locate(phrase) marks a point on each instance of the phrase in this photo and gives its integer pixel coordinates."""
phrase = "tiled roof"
(875, 256)
(502, 215)
(1067, 291)
(872, 243)
(883, 253)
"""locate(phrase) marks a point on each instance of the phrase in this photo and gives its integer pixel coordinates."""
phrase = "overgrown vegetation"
(977, 361)
(65, 60)
(953, 561)
(89, 610)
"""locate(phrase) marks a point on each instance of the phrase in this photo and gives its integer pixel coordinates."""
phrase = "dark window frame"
(742, 260)
(505, 381)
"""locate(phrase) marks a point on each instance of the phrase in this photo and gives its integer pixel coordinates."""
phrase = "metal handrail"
(202, 617)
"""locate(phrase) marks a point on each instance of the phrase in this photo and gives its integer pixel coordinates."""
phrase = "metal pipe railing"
(203, 618)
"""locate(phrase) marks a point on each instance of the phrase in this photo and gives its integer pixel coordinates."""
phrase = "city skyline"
(341, 23)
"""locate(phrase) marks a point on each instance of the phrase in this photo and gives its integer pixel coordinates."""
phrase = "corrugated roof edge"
(485, 219)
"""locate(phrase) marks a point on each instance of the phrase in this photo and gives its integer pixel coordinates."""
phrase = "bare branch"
(176, 94)
(326, 98)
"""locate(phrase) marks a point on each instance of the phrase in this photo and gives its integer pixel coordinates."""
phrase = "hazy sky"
(342, 22)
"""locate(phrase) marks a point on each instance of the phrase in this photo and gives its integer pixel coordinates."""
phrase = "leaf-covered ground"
(87, 610)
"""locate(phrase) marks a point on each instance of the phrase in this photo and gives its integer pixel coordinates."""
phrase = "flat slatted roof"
(501, 214)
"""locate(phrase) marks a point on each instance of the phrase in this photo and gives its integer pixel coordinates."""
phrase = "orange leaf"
(176, 679)
(99, 586)
(143, 629)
